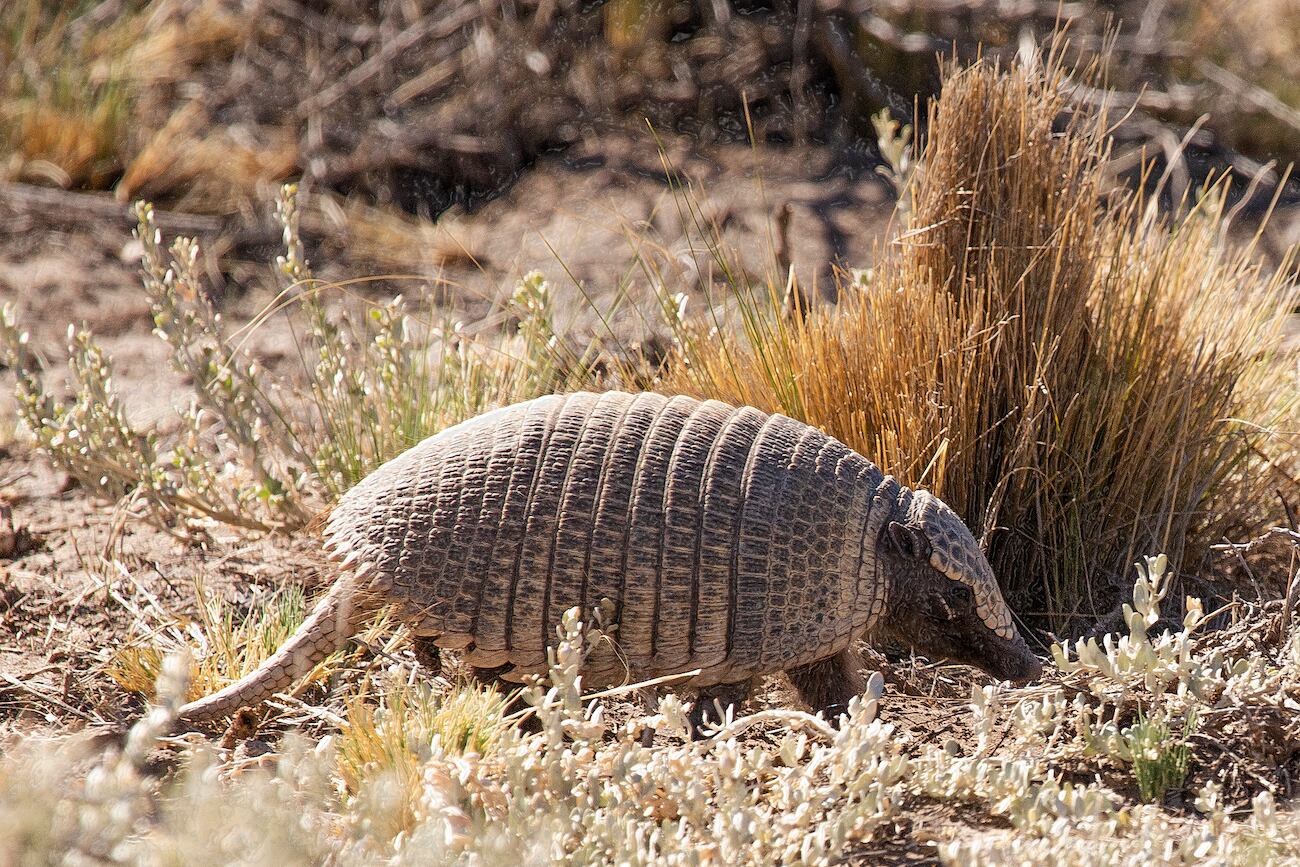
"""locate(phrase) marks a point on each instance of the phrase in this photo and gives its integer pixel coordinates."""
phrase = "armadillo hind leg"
(494, 678)
(427, 654)
(827, 685)
(712, 702)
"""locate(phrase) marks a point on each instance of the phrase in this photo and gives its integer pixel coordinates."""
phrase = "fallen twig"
(283, 701)
(1250, 545)
(792, 718)
(49, 699)
(70, 206)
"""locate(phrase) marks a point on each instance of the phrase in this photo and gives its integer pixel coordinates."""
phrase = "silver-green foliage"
(256, 447)
(585, 790)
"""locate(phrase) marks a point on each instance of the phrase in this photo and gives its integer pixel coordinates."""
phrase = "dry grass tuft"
(383, 748)
(66, 146)
(208, 170)
(83, 96)
(63, 119)
(224, 646)
(393, 241)
(1084, 383)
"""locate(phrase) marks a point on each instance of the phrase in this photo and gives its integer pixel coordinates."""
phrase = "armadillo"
(731, 542)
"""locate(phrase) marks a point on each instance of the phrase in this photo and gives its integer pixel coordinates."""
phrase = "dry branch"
(67, 207)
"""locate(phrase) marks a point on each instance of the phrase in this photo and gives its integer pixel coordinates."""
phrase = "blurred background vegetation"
(205, 105)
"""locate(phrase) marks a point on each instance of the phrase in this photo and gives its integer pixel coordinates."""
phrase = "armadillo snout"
(1015, 662)
(944, 602)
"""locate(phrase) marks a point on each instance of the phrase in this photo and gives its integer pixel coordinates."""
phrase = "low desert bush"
(777, 786)
(260, 449)
(1082, 379)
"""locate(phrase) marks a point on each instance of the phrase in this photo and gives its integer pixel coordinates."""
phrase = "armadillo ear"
(909, 541)
(939, 607)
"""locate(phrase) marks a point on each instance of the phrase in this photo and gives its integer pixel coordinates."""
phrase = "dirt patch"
(68, 604)
(582, 219)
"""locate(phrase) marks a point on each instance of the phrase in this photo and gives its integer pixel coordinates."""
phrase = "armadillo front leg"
(828, 684)
(712, 702)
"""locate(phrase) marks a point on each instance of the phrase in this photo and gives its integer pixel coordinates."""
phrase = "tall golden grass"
(62, 117)
(1082, 380)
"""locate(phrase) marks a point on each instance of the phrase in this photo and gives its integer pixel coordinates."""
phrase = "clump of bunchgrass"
(383, 748)
(1081, 381)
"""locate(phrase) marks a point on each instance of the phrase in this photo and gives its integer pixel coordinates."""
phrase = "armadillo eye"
(909, 541)
(960, 596)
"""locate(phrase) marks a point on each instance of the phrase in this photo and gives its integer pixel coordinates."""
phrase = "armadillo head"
(944, 601)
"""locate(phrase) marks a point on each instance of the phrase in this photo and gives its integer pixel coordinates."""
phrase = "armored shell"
(729, 540)
(731, 543)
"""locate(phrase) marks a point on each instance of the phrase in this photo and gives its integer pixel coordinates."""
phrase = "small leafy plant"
(259, 449)
(1160, 756)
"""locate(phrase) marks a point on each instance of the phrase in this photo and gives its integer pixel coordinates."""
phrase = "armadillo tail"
(333, 621)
